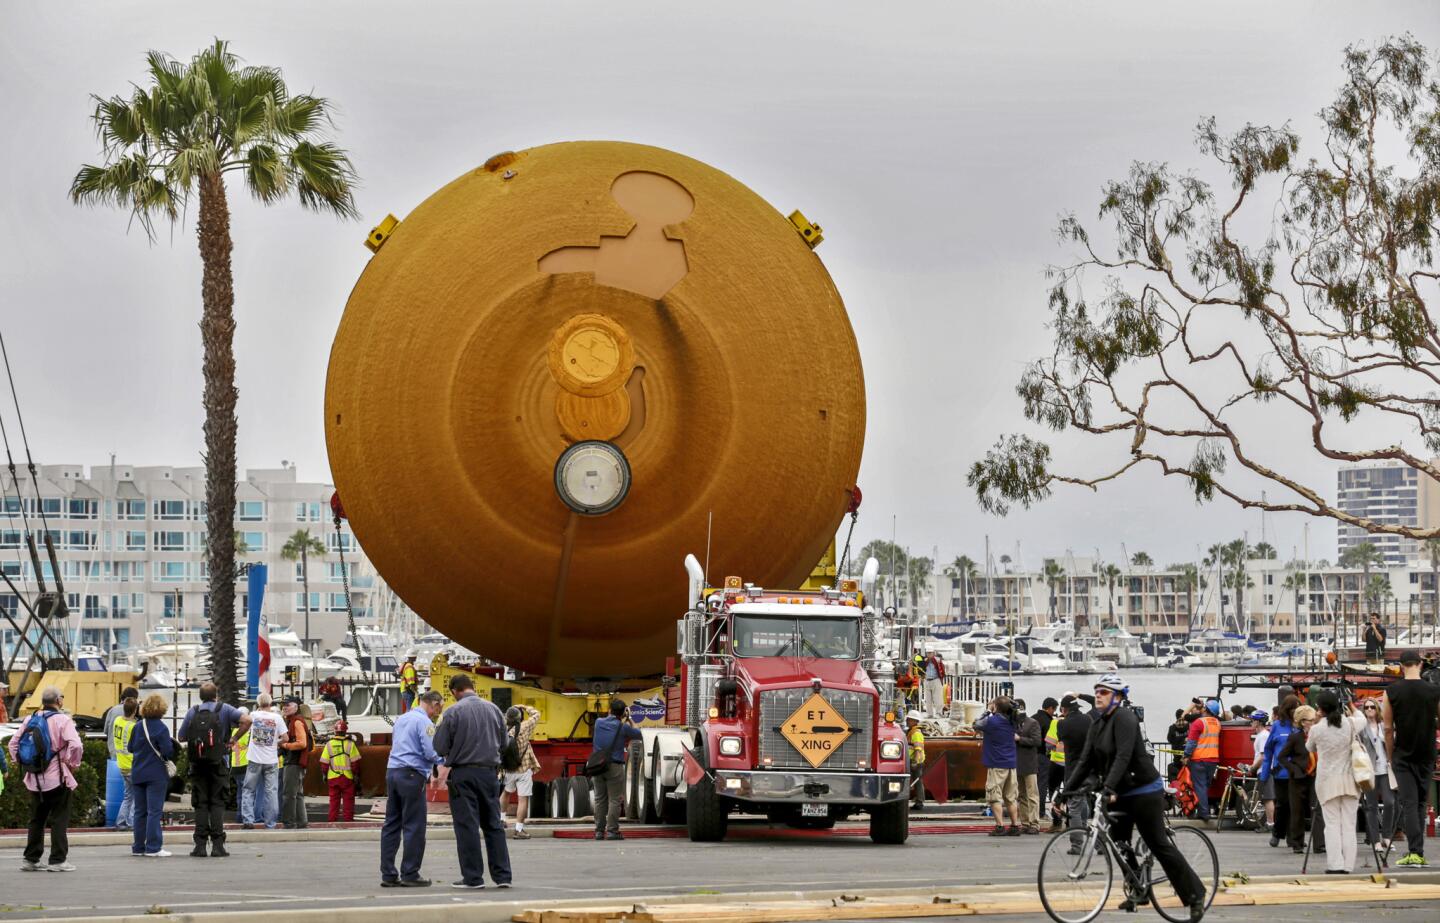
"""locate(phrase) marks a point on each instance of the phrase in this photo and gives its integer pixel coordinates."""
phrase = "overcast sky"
(936, 143)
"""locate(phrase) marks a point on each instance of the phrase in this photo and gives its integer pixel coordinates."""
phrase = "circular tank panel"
(590, 292)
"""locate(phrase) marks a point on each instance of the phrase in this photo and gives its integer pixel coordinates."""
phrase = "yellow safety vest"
(339, 761)
(240, 758)
(917, 747)
(120, 733)
(409, 679)
(1057, 752)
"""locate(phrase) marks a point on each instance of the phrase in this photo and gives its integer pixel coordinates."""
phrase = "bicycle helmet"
(1113, 682)
(1258, 715)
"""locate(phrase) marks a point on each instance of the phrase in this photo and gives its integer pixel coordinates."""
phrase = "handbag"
(1360, 765)
(169, 764)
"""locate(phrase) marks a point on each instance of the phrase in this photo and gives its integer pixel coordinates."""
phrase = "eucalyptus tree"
(181, 136)
(1179, 341)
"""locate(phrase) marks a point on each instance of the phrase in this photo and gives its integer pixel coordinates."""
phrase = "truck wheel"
(540, 800)
(579, 798)
(634, 778)
(649, 801)
(559, 798)
(890, 823)
(667, 810)
(705, 816)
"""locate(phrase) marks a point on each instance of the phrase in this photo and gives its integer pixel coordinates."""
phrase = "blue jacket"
(147, 766)
(997, 750)
(618, 736)
(1270, 767)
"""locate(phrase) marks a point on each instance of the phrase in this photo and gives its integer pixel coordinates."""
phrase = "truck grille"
(778, 704)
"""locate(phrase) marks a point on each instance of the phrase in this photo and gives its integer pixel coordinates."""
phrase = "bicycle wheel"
(1199, 853)
(1074, 889)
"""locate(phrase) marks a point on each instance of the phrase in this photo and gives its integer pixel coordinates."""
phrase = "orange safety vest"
(1207, 748)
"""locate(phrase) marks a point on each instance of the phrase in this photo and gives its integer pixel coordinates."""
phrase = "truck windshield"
(774, 636)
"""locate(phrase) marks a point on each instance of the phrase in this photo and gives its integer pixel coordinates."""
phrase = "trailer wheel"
(649, 800)
(705, 816)
(540, 800)
(634, 779)
(579, 805)
(890, 823)
(559, 798)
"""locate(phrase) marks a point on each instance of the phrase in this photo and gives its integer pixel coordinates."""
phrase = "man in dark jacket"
(207, 743)
(1073, 730)
(470, 736)
(1374, 640)
(1043, 718)
(1029, 751)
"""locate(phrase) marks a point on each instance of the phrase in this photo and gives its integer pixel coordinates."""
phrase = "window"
(1269, 599)
(254, 541)
(122, 637)
(337, 602)
(134, 541)
(169, 509)
(170, 541)
(171, 571)
(335, 573)
(130, 509)
(11, 506)
(250, 511)
(15, 570)
(11, 538)
(80, 540)
(82, 509)
(50, 506)
(343, 541)
(173, 606)
(300, 602)
(1269, 579)
(307, 512)
(93, 609)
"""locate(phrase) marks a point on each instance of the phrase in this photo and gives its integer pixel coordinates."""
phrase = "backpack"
(202, 738)
(34, 751)
(510, 753)
(599, 762)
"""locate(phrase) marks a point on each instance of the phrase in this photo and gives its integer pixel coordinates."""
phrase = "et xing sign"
(816, 730)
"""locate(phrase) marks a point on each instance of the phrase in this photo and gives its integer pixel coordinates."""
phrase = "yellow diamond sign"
(816, 729)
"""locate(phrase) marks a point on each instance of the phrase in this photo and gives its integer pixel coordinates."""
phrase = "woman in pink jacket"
(51, 789)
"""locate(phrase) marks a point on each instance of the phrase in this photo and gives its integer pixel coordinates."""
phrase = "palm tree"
(1141, 559)
(1298, 581)
(892, 559)
(917, 574)
(1108, 575)
(1052, 574)
(964, 570)
(1364, 556)
(1432, 551)
(176, 138)
(1188, 581)
(242, 547)
(1264, 551)
(301, 545)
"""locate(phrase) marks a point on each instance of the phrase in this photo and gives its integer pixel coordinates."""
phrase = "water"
(1160, 691)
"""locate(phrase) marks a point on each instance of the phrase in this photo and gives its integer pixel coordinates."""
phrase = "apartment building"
(131, 547)
(1281, 598)
(1391, 493)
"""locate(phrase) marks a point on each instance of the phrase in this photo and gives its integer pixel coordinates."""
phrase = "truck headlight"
(730, 746)
(891, 750)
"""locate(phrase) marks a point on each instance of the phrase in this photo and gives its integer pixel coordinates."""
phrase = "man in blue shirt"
(613, 733)
(209, 769)
(997, 753)
(412, 760)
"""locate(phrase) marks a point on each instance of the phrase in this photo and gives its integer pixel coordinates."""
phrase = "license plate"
(814, 809)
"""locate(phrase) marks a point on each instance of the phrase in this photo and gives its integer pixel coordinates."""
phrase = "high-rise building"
(131, 543)
(1387, 492)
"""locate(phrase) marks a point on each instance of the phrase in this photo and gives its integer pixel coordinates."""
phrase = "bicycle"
(1074, 888)
(1243, 790)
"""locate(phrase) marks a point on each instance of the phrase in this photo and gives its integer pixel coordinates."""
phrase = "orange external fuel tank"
(556, 369)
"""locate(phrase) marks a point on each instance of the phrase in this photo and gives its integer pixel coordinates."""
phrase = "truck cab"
(787, 712)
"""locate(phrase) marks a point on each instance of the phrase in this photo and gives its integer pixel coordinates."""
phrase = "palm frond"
(266, 173)
(324, 178)
(188, 165)
(118, 123)
(132, 183)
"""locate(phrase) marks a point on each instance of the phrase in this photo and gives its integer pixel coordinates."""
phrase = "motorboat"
(370, 651)
(1217, 648)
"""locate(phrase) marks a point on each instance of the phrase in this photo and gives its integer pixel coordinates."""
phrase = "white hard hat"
(914, 715)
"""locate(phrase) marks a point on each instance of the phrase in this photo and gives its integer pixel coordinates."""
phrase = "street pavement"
(269, 876)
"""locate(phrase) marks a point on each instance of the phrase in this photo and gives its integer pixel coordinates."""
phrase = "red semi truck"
(778, 704)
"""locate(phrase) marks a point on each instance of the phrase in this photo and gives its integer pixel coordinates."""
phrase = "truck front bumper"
(795, 786)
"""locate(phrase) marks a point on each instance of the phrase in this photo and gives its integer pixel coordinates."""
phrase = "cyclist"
(1117, 760)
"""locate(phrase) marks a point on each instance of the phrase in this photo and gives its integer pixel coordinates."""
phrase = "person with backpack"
(518, 762)
(154, 751)
(339, 757)
(48, 750)
(606, 768)
(206, 735)
(470, 738)
(119, 738)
